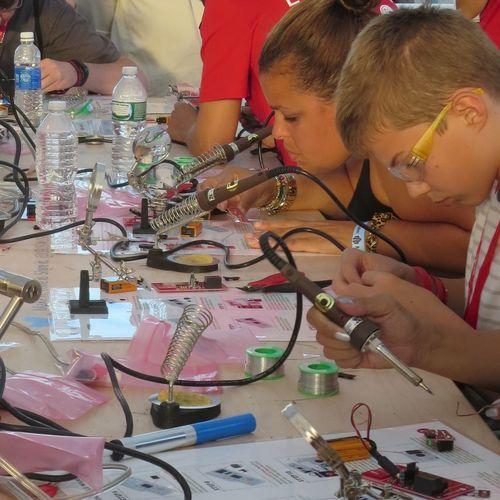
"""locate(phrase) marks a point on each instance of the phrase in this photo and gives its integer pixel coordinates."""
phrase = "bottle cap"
(129, 70)
(57, 106)
(27, 35)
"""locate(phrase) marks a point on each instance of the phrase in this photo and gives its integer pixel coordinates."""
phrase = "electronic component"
(422, 484)
(349, 448)
(440, 439)
(192, 229)
(117, 285)
(210, 283)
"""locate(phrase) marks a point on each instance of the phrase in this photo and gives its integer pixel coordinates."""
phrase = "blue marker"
(187, 435)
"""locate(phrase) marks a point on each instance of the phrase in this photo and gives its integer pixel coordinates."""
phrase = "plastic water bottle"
(28, 81)
(129, 116)
(56, 167)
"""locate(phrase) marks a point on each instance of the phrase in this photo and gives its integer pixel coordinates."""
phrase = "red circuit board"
(455, 489)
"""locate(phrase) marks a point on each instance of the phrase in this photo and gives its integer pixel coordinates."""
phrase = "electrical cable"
(17, 140)
(24, 191)
(64, 228)
(227, 251)
(386, 464)
(46, 426)
(129, 419)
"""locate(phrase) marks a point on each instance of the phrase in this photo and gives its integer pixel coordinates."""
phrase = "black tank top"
(363, 203)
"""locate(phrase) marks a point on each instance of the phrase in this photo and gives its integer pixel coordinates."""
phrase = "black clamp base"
(144, 227)
(166, 415)
(160, 259)
(84, 305)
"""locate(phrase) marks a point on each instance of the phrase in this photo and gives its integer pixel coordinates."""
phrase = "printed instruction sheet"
(289, 469)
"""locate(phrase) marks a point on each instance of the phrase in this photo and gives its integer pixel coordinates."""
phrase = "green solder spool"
(259, 359)
(319, 379)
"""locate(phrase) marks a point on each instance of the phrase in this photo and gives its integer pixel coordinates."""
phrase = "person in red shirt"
(233, 33)
(489, 15)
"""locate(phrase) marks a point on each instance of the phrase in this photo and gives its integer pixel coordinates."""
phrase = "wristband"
(431, 283)
(82, 72)
(359, 238)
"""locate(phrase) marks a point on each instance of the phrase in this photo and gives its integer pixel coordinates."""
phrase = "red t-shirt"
(490, 20)
(233, 33)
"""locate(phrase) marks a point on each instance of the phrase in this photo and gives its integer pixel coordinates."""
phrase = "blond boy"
(420, 91)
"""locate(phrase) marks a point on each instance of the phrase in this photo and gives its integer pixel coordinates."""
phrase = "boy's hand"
(304, 242)
(57, 75)
(254, 197)
(181, 121)
(401, 331)
(354, 264)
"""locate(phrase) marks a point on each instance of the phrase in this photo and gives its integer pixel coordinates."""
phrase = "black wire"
(129, 419)
(45, 426)
(64, 228)
(351, 216)
(17, 139)
(227, 251)
(24, 191)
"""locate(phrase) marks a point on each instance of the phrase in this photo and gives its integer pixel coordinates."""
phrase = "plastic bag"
(52, 396)
(81, 456)
(113, 203)
(149, 346)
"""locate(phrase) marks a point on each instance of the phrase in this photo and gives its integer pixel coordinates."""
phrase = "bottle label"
(27, 78)
(128, 111)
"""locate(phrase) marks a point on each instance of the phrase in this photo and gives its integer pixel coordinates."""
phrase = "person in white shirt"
(161, 37)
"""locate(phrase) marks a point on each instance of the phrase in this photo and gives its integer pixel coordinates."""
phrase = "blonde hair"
(404, 67)
(312, 40)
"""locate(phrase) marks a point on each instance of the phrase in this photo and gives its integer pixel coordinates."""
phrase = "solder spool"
(318, 378)
(259, 359)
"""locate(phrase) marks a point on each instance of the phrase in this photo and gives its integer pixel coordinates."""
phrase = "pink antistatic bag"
(52, 396)
(148, 348)
(81, 456)
(113, 203)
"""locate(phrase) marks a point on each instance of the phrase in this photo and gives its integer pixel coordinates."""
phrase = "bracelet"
(377, 222)
(286, 192)
(359, 238)
(82, 72)
(431, 283)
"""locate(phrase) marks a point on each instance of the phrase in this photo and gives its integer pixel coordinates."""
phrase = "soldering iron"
(363, 334)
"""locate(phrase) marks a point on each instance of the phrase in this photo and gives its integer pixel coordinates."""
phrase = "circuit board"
(454, 489)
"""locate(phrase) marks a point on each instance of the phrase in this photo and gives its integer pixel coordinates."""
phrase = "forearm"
(103, 77)
(465, 355)
(199, 140)
(428, 244)
(216, 123)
